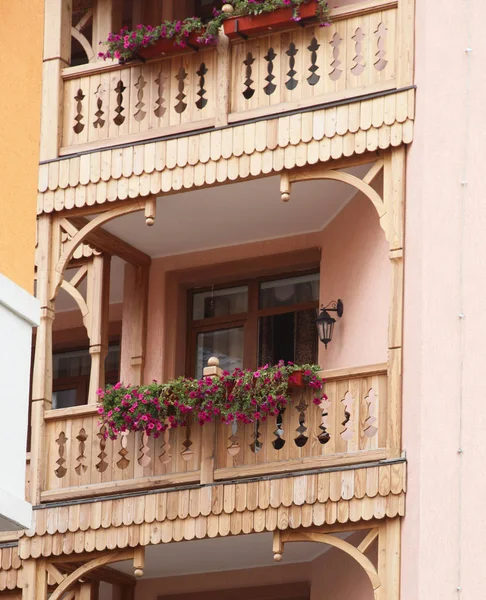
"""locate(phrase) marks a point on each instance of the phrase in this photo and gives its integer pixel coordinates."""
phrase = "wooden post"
(42, 375)
(134, 320)
(394, 198)
(405, 45)
(34, 580)
(107, 17)
(389, 560)
(223, 83)
(57, 55)
(208, 448)
(98, 296)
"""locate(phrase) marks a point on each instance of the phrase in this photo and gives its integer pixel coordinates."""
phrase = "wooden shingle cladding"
(314, 499)
(10, 567)
(228, 154)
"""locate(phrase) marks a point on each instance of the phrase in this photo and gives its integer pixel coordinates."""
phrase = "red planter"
(165, 47)
(268, 22)
(296, 380)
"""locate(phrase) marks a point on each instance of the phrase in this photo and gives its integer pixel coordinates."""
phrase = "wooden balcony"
(350, 428)
(295, 70)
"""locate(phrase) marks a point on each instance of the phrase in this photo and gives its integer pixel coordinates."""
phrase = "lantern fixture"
(325, 323)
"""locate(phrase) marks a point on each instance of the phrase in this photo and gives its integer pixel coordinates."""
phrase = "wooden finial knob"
(285, 197)
(150, 221)
(277, 557)
(138, 573)
(228, 8)
(213, 362)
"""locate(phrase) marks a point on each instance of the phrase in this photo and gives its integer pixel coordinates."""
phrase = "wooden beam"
(110, 244)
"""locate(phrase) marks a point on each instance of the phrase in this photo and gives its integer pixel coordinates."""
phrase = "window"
(71, 375)
(253, 323)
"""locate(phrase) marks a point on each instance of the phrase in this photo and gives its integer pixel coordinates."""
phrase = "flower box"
(296, 380)
(252, 25)
(164, 47)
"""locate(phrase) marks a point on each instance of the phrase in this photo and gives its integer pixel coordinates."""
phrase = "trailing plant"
(125, 45)
(243, 396)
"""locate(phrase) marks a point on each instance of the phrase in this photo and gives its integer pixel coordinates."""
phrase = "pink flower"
(100, 410)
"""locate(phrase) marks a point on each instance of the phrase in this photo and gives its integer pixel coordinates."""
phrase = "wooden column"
(98, 300)
(107, 17)
(394, 198)
(57, 56)
(34, 580)
(208, 447)
(389, 560)
(134, 320)
(42, 376)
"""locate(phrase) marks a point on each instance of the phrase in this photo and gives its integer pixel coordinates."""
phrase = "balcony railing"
(349, 428)
(105, 105)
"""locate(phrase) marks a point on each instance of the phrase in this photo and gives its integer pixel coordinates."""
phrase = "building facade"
(19, 310)
(196, 207)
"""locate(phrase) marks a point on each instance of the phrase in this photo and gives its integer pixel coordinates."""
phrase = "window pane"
(225, 344)
(112, 362)
(71, 364)
(220, 303)
(291, 336)
(292, 290)
(64, 398)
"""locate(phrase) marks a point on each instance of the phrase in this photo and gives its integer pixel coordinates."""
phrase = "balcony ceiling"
(220, 554)
(234, 214)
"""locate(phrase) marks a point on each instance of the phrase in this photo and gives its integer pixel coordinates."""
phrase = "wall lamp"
(325, 323)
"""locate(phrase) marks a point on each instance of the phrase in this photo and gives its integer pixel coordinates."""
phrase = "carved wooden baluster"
(61, 442)
(144, 458)
(358, 60)
(78, 128)
(203, 70)
(123, 462)
(270, 87)
(249, 91)
(336, 72)
(348, 423)
(372, 402)
(278, 443)
(256, 445)
(102, 465)
(81, 467)
(313, 78)
(234, 447)
(381, 32)
(160, 109)
(301, 408)
(292, 83)
(181, 106)
(140, 114)
(187, 453)
(324, 436)
(120, 88)
(99, 122)
(165, 455)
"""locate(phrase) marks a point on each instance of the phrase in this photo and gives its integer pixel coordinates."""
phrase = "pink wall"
(443, 544)
(354, 266)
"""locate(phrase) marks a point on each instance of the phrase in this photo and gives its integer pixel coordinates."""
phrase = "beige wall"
(352, 253)
(444, 411)
(20, 101)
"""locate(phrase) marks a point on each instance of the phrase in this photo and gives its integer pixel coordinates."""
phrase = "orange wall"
(353, 257)
(21, 32)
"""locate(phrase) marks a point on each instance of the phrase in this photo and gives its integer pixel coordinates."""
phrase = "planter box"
(244, 27)
(296, 380)
(167, 47)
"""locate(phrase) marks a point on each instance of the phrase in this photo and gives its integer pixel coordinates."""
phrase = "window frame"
(248, 319)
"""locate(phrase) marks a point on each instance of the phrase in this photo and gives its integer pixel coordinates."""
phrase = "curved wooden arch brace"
(93, 564)
(362, 185)
(83, 40)
(70, 247)
(324, 538)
